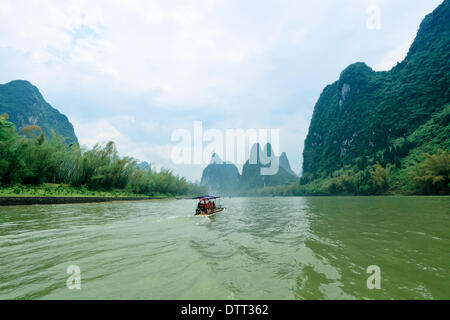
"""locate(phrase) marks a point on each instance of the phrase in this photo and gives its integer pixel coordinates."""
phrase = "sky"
(135, 71)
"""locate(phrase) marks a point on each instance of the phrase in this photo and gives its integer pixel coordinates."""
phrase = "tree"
(432, 176)
(380, 177)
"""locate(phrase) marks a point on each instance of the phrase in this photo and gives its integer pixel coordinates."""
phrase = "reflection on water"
(259, 248)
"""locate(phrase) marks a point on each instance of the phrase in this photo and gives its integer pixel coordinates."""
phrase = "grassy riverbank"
(60, 190)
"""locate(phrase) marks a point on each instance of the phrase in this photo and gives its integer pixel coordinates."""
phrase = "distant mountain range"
(144, 165)
(223, 177)
(25, 106)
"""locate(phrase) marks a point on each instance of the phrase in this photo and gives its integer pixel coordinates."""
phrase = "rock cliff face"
(284, 163)
(253, 174)
(224, 178)
(219, 177)
(25, 106)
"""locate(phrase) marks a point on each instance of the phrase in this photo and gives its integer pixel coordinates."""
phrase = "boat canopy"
(206, 197)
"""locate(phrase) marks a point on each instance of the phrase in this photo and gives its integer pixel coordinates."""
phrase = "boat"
(203, 206)
(215, 211)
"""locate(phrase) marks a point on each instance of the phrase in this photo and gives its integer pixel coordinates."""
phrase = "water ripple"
(259, 248)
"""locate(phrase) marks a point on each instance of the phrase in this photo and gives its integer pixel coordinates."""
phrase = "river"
(259, 248)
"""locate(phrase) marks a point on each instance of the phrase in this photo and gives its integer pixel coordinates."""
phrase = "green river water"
(259, 248)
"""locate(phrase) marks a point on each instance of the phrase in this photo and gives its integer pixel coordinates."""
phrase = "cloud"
(104, 130)
(392, 57)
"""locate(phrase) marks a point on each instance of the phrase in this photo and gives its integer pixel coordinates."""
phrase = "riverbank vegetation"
(30, 163)
(417, 174)
(64, 190)
(420, 173)
(417, 164)
(430, 176)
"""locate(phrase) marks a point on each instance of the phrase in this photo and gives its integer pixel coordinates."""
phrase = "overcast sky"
(134, 71)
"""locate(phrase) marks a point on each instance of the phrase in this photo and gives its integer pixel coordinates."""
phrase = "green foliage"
(31, 159)
(373, 180)
(25, 106)
(61, 190)
(390, 170)
(12, 165)
(381, 177)
(340, 184)
(432, 176)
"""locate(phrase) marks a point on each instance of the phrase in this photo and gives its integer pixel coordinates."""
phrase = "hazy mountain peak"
(216, 159)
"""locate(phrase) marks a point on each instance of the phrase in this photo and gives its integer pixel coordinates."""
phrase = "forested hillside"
(25, 106)
(379, 132)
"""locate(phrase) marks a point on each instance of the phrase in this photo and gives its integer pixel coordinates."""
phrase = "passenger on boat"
(214, 205)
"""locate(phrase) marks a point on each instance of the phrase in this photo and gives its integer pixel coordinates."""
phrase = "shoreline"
(24, 201)
(43, 200)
